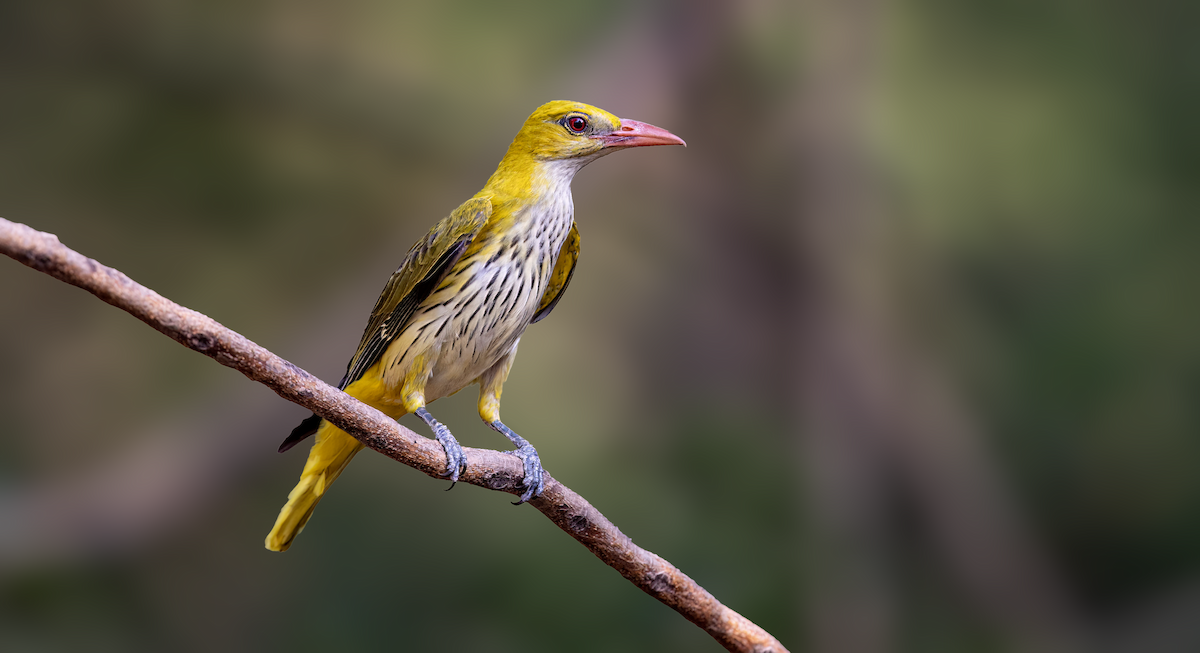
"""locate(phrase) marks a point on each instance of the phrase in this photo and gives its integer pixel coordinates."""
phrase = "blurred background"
(899, 354)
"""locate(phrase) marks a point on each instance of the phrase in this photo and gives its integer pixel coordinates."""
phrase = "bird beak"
(632, 133)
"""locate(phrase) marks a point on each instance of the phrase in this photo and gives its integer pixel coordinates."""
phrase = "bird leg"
(528, 455)
(491, 384)
(456, 460)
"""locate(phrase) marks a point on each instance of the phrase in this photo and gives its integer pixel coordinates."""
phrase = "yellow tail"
(329, 456)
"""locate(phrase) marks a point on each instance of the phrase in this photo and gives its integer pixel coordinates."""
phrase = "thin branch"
(485, 468)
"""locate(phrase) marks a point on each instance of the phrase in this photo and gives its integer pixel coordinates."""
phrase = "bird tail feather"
(329, 455)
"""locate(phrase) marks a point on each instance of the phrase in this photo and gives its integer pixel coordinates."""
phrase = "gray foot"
(533, 463)
(456, 461)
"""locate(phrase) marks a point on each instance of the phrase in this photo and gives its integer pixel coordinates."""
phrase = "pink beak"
(636, 134)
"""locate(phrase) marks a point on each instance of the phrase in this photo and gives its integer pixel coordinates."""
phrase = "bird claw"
(456, 460)
(532, 482)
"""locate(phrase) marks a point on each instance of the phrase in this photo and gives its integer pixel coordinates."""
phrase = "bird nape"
(454, 312)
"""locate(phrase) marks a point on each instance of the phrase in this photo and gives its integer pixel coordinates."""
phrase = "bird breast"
(480, 310)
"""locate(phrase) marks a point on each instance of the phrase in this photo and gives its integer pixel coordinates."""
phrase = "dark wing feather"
(425, 266)
(564, 268)
(305, 429)
(376, 340)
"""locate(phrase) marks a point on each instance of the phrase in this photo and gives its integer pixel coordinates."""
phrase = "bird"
(454, 312)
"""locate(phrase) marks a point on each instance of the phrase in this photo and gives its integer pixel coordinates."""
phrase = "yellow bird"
(454, 311)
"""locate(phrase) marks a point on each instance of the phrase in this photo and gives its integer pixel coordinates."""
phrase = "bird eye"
(577, 124)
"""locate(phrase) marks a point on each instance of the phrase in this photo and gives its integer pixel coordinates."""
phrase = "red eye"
(577, 124)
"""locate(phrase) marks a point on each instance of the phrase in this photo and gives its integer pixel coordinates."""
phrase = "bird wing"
(568, 256)
(418, 276)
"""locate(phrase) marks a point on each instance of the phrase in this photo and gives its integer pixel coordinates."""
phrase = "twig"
(485, 468)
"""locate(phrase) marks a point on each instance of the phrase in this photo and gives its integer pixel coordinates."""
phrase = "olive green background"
(1033, 237)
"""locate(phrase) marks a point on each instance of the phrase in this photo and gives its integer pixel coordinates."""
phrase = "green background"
(736, 377)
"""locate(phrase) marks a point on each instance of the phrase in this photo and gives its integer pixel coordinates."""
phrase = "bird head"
(560, 138)
(573, 130)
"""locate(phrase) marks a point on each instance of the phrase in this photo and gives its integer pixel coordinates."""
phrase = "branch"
(485, 468)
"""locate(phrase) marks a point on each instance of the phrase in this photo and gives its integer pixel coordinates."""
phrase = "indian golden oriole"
(454, 311)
